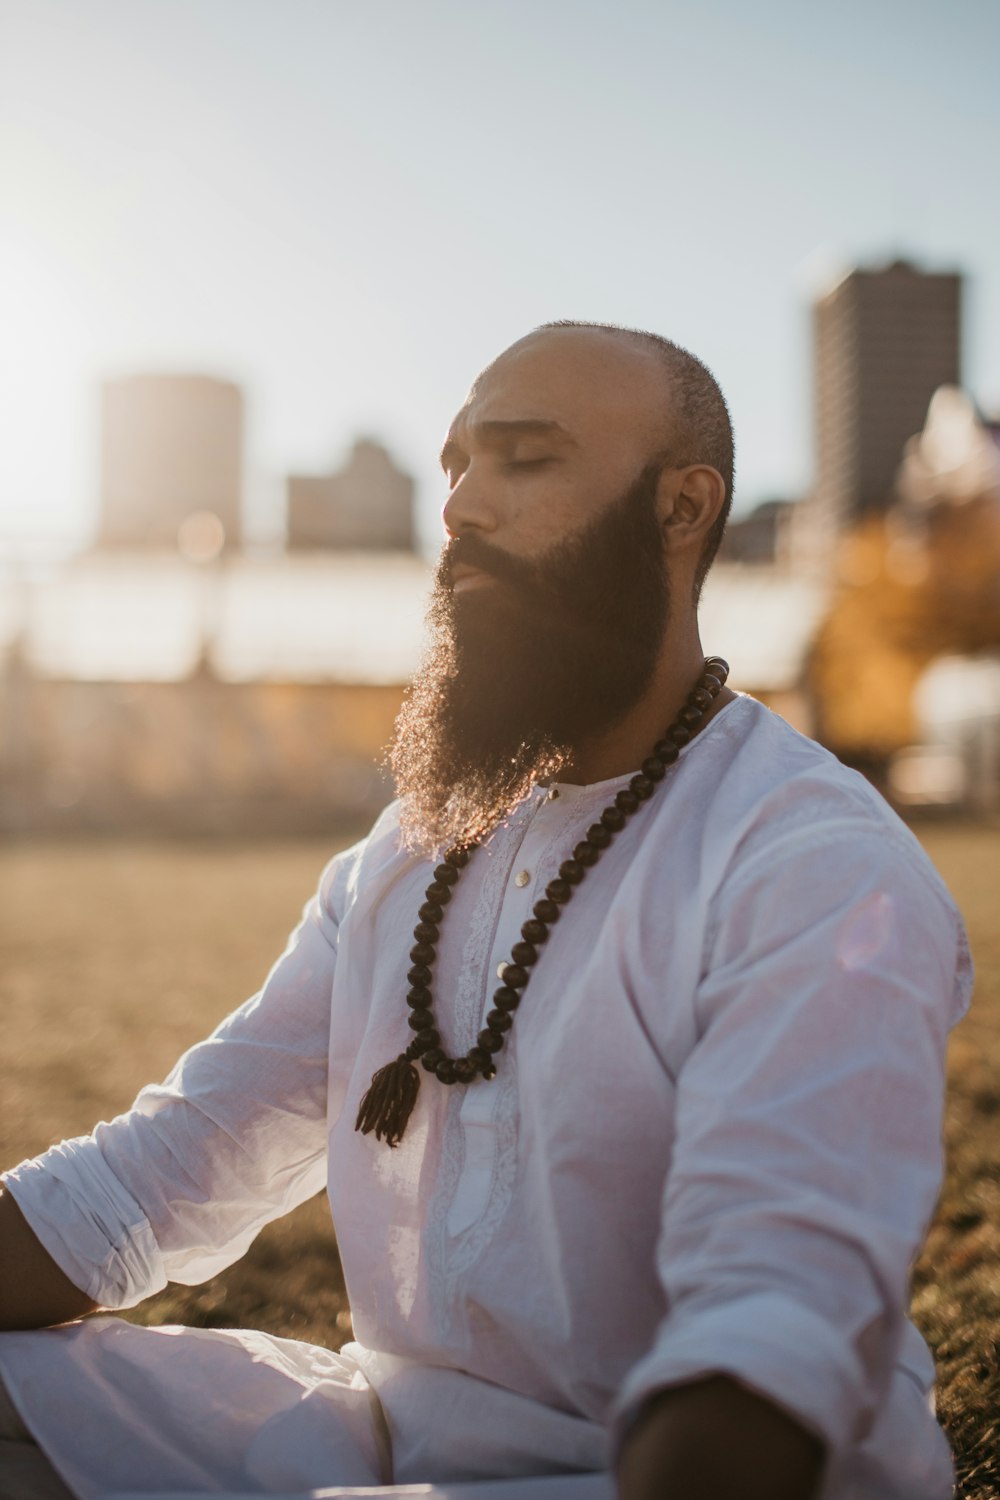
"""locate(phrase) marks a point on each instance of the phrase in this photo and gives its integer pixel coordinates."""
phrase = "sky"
(350, 207)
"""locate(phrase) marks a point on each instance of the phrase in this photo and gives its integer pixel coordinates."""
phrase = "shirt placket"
(477, 1115)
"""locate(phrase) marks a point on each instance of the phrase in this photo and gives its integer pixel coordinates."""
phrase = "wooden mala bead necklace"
(388, 1103)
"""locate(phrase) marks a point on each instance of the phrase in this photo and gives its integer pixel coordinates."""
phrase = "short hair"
(701, 431)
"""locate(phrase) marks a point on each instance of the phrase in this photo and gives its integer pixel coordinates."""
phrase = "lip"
(466, 577)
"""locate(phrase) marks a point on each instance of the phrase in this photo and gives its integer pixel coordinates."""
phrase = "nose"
(468, 506)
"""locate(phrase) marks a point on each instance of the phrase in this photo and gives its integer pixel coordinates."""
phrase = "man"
(619, 1051)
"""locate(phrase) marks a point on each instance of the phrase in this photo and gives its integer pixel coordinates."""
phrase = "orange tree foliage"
(904, 596)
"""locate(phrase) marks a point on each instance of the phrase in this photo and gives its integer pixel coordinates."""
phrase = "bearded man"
(617, 1044)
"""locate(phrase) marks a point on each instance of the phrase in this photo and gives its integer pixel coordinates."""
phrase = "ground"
(115, 955)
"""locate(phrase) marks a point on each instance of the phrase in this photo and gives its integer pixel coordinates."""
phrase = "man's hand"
(34, 1292)
(714, 1438)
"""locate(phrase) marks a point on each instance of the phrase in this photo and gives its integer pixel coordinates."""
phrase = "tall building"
(368, 504)
(884, 341)
(171, 463)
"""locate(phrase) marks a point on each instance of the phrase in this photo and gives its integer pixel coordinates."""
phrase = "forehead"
(589, 382)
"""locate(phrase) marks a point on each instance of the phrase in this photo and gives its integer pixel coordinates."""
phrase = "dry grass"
(117, 955)
(957, 1281)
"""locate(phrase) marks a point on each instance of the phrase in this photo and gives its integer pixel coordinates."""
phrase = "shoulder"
(761, 783)
(363, 867)
(792, 837)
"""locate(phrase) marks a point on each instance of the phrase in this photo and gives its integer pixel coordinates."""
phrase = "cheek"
(548, 510)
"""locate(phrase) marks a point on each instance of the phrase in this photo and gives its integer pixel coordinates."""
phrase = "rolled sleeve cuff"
(94, 1230)
(769, 1343)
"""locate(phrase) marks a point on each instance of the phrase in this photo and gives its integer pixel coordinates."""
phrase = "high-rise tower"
(884, 341)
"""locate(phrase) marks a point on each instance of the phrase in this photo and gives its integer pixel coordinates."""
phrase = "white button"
(522, 877)
(500, 968)
(553, 793)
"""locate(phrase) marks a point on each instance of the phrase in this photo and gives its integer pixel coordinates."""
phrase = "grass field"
(115, 956)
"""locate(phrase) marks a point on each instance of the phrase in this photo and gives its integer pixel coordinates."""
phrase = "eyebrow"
(493, 434)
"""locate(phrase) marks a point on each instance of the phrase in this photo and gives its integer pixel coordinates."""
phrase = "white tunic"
(713, 1144)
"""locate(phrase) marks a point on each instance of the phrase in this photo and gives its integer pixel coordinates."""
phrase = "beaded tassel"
(388, 1103)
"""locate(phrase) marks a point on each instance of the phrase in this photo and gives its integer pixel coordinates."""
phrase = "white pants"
(25, 1472)
(161, 1414)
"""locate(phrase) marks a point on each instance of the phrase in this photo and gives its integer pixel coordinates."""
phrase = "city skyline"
(348, 212)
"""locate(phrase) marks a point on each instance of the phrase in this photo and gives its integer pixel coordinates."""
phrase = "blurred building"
(883, 342)
(762, 618)
(139, 691)
(760, 537)
(366, 504)
(171, 464)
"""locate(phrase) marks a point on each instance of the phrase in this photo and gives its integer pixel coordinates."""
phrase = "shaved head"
(692, 422)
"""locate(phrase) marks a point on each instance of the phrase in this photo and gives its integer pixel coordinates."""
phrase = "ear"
(690, 500)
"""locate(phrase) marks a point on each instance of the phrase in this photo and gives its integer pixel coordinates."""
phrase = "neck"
(623, 746)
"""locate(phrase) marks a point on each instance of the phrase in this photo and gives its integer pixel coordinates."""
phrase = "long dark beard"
(520, 670)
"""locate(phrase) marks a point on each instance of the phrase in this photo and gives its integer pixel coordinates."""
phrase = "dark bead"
(690, 715)
(507, 998)
(465, 1070)
(489, 1041)
(642, 786)
(423, 1042)
(717, 668)
(598, 835)
(534, 931)
(445, 875)
(445, 1070)
(426, 932)
(613, 819)
(430, 912)
(546, 910)
(419, 974)
(680, 734)
(482, 1062)
(585, 853)
(514, 977)
(572, 871)
(422, 953)
(457, 857)
(431, 1058)
(524, 954)
(702, 698)
(654, 768)
(439, 894)
(627, 800)
(421, 1020)
(418, 995)
(558, 890)
(499, 1020)
(666, 751)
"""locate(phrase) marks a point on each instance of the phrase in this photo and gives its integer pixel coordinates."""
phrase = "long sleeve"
(178, 1187)
(808, 1150)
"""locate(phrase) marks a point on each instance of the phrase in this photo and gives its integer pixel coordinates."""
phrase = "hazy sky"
(351, 205)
